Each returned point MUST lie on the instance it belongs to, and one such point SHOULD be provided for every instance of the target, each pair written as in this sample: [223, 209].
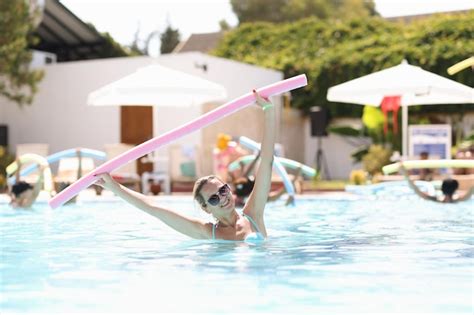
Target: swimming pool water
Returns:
[323, 256]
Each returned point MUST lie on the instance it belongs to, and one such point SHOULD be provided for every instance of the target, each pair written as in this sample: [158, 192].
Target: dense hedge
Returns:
[332, 52]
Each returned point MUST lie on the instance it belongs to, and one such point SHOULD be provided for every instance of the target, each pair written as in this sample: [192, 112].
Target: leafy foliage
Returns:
[358, 177]
[346, 131]
[377, 157]
[5, 160]
[169, 39]
[334, 51]
[278, 11]
[110, 48]
[373, 121]
[19, 82]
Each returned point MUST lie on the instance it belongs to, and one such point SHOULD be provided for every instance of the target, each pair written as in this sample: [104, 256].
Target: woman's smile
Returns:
[226, 203]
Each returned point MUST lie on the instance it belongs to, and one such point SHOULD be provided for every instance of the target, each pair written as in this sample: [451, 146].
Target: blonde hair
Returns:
[198, 186]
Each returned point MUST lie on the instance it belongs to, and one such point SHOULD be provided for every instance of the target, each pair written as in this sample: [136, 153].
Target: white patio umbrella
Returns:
[156, 85]
[414, 85]
[159, 86]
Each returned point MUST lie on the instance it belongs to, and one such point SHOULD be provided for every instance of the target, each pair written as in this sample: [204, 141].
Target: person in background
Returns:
[448, 187]
[23, 194]
[424, 173]
[215, 197]
[243, 184]
[226, 151]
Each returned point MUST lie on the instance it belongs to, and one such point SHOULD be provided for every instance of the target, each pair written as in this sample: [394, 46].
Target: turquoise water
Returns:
[323, 256]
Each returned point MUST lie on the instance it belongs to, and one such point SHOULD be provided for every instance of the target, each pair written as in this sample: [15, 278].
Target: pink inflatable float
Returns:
[170, 136]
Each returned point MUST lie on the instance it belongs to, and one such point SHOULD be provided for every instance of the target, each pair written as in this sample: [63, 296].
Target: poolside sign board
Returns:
[433, 139]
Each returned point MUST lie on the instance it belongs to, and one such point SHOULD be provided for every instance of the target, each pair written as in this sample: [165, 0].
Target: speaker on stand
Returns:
[3, 136]
[320, 118]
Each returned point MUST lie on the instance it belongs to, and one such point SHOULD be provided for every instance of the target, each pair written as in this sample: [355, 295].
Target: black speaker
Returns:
[319, 121]
[4, 135]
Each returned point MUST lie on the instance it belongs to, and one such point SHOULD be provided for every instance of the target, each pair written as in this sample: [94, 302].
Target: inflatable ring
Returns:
[38, 159]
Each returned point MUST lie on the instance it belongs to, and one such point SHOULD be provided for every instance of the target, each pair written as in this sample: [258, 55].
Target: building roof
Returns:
[64, 34]
[204, 42]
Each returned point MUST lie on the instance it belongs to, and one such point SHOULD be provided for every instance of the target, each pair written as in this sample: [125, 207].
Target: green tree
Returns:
[334, 51]
[299, 9]
[224, 25]
[5, 160]
[277, 11]
[110, 48]
[135, 47]
[169, 39]
[19, 83]
[259, 10]
[349, 9]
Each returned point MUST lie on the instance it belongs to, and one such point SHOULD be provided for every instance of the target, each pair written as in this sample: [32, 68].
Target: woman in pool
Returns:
[215, 197]
[23, 194]
[448, 187]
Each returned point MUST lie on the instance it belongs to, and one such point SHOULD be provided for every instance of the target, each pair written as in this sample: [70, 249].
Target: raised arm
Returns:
[189, 226]
[252, 165]
[255, 205]
[280, 192]
[79, 167]
[37, 188]
[467, 196]
[17, 173]
[414, 187]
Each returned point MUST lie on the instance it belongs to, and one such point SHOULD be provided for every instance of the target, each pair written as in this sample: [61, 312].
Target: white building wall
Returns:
[336, 151]
[59, 114]
[238, 79]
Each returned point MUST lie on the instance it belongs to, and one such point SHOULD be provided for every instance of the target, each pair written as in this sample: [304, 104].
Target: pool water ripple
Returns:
[322, 256]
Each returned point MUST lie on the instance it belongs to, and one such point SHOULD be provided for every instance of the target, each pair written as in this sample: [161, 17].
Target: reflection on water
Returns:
[322, 256]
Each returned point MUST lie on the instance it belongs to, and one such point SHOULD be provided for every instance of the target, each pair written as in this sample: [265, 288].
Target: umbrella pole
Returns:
[404, 131]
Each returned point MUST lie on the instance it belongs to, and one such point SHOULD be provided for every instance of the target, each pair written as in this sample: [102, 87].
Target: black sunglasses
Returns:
[216, 198]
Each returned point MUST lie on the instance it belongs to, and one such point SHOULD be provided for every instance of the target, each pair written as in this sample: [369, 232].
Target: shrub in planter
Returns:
[377, 157]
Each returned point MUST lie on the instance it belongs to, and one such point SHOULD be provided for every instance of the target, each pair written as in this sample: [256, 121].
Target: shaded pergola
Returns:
[62, 33]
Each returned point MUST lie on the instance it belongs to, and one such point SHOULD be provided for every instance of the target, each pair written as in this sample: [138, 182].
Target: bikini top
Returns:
[254, 237]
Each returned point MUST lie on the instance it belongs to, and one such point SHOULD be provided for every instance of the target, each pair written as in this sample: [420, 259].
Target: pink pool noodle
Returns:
[170, 136]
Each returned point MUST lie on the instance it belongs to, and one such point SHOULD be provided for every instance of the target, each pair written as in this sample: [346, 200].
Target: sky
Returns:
[122, 18]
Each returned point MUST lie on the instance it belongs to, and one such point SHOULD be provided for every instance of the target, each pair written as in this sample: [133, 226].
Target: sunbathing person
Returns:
[448, 187]
[215, 197]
